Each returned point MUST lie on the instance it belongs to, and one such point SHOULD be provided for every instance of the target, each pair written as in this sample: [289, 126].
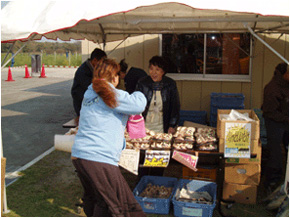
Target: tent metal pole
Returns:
[251, 72]
[9, 51]
[4, 65]
[204, 55]
[103, 36]
[267, 45]
[118, 45]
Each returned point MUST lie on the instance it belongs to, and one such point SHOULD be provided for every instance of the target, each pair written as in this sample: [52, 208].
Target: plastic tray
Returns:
[184, 209]
[155, 205]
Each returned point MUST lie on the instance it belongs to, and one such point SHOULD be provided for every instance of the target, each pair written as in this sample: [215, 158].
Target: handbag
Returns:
[136, 126]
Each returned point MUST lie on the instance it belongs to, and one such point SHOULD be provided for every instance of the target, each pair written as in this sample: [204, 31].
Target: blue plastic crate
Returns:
[183, 209]
[213, 123]
[155, 205]
[263, 132]
[227, 98]
[193, 116]
[259, 114]
[263, 141]
[258, 111]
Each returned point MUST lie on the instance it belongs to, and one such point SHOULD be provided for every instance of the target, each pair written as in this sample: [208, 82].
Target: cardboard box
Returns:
[200, 174]
[256, 159]
[245, 194]
[255, 125]
[244, 174]
[254, 146]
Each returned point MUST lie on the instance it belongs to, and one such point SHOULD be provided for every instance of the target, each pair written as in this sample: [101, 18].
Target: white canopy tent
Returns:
[116, 20]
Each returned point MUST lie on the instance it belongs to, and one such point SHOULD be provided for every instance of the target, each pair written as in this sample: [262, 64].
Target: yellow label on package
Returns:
[238, 140]
[156, 158]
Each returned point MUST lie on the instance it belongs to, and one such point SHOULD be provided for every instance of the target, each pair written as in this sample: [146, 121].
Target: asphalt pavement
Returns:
[32, 112]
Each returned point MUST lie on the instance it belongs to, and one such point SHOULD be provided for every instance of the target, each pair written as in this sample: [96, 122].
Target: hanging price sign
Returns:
[186, 159]
[129, 160]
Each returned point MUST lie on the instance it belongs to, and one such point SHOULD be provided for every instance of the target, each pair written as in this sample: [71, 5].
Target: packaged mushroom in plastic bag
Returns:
[183, 138]
[184, 145]
[206, 139]
[184, 133]
[142, 143]
[210, 146]
[161, 141]
[138, 143]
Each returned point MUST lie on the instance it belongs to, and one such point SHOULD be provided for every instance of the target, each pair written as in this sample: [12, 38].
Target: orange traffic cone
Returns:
[26, 72]
[42, 75]
[9, 79]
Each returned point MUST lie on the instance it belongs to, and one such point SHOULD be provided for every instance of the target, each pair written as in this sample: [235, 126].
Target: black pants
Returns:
[106, 192]
[275, 137]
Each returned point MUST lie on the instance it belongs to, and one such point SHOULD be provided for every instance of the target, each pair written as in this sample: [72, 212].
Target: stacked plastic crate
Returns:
[193, 116]
[263, 133]
[151, 190]
[224, 101]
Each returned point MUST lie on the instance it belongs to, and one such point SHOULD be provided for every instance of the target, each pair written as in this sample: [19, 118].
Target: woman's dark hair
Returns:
[159, 62]
[123, 66]
[106, 70]
[98, 54]
[282, 68]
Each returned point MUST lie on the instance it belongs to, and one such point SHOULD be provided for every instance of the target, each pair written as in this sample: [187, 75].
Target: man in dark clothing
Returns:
[83, 78]
[131, 77]
[276, 114]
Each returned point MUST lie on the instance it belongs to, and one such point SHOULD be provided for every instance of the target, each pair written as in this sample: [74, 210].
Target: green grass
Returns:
[48, 59]
[49, 188]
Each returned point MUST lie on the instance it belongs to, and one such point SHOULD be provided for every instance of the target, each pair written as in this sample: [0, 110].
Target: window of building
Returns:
[208, 56]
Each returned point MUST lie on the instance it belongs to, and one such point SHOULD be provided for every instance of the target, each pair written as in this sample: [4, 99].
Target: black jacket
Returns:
[170, 99]
[132, 77]
[276, 99]
[82, 79]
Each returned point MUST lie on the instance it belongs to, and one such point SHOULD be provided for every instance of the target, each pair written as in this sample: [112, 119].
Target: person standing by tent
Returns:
[163, 107]
[131, 77]
[276, 114]
[83, 78]
[100, 141]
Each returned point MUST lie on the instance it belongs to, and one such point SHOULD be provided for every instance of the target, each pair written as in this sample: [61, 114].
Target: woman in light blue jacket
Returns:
[100, 141]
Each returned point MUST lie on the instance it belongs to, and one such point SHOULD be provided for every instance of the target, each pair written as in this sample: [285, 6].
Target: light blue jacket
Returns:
[100, 135]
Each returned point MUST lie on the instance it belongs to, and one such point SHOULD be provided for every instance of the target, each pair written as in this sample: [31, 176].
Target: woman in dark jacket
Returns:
[162, 110]
[276, 114]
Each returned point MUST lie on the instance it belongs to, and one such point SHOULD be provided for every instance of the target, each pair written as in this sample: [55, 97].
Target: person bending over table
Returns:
[100, 141]
[131, 77]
